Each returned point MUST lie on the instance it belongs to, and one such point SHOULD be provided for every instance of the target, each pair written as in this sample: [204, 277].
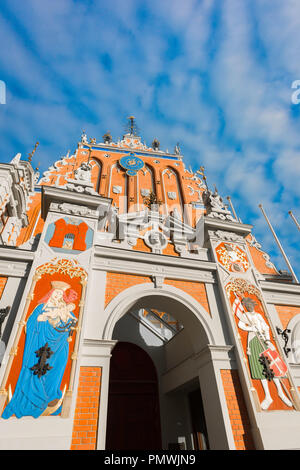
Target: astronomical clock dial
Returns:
[131, 164]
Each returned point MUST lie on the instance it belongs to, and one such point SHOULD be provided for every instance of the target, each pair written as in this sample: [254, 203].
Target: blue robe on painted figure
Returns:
[32, 393]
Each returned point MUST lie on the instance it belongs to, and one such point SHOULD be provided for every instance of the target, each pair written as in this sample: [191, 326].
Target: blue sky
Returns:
[214, 75]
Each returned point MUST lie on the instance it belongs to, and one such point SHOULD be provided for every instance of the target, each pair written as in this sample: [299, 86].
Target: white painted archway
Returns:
[208, 352]
[186, 309]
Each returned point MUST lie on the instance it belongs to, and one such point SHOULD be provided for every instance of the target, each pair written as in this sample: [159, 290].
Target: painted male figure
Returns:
[258, 341]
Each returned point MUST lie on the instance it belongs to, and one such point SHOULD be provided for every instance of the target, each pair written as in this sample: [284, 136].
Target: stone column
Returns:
[209, 362]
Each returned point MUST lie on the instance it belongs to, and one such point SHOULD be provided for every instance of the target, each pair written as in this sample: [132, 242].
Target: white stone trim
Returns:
[128, 297]
[280, 287]
[151, 264]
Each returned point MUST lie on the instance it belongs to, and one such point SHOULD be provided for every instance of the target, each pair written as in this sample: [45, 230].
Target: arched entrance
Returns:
[133, 420]
[187, 363]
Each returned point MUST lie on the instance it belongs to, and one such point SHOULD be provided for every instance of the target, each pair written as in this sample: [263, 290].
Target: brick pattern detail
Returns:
[196, 290]
[161, 176]
[85, 425]
[117, 282]
[181, 183]
[286, 313]
[2, 285]
[259, 261]
[33, 214]
[141, 246]
[238, 414]
[170, 250]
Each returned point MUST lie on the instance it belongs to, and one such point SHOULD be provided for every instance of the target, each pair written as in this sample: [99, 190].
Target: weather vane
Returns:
[131, 126]
[33, 151]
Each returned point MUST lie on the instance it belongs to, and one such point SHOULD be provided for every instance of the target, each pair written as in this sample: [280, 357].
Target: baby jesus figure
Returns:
[58, 307]
[55, 315]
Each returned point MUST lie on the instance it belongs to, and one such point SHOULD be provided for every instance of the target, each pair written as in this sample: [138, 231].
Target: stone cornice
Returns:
[15, 262]
[14, 170]
[7, 167]
[60, 195]
[97, 348]
[15, 254]
[280, 287]
[223, 354]
[151, 264]
[136, 151]
[236, 227]
[281, 294]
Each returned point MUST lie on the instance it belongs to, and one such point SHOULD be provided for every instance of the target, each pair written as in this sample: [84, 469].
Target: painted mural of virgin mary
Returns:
[48, 329]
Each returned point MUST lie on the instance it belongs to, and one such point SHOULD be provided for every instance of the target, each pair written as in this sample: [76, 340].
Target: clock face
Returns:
[132, 164]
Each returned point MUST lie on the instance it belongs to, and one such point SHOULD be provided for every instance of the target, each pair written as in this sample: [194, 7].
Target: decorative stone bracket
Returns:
[158, 280]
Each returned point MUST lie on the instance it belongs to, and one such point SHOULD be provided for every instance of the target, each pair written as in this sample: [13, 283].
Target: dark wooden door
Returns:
[200, 437]
[133, 421]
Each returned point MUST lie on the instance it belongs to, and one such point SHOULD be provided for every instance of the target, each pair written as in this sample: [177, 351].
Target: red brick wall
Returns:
[182, 184]
[286, 313]
[85, 425]
[2, 285]
[117, 282]
[33, 216]
[196, 290]
[259, 261]
[141, 246]
[238, 414]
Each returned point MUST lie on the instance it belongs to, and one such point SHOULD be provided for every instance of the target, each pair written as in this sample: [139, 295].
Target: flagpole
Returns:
[279, 245]
[294, 219]
[232, 208]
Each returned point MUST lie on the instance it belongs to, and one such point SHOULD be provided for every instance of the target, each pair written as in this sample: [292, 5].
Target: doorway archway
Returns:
[133, 420]
[183, 362]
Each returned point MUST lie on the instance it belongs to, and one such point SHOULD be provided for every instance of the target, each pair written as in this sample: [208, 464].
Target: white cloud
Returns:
[221, 88]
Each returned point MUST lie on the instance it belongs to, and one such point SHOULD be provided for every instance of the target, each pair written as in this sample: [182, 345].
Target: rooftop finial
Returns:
[155, 144]
[33, 151]
[107, 138]
[201, 173]
[84, 137]
[177, 149]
